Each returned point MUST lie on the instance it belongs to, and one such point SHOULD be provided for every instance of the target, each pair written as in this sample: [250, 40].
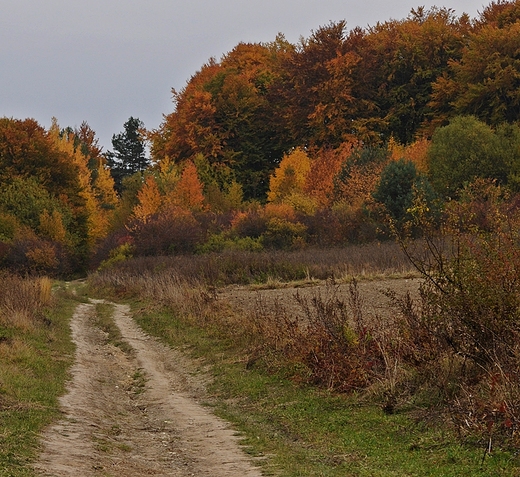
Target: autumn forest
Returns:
[349, 136]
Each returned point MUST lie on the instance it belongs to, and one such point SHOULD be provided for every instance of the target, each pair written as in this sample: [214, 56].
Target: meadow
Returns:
[327, 365]
[318, 383]
[35, 355]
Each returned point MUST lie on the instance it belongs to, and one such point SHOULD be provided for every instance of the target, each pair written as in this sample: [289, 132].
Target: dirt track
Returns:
[135, 414]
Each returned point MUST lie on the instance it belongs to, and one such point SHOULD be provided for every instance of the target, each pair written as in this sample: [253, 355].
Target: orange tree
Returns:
[485, 80]
[225, 115]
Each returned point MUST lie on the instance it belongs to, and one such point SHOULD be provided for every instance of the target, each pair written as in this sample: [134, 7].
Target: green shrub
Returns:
[284, 235]
[119, 254]
[465, 150]
[221, 242]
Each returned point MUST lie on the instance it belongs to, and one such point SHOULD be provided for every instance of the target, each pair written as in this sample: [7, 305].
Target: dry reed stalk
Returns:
[45, 285]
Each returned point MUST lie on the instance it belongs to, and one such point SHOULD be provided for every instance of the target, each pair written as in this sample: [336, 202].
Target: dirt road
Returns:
[135, 413]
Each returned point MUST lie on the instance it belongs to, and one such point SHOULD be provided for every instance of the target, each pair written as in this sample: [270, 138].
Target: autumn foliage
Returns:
[55, 196]
[277, 145]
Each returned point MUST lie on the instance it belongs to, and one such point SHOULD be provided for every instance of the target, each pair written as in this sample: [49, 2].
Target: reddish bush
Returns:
[252, 223]
[323, 228]
[329, 342]
[39, 257]
[173, 231]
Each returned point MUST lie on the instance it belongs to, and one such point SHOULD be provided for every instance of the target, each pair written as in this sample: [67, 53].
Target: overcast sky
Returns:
[103, 61]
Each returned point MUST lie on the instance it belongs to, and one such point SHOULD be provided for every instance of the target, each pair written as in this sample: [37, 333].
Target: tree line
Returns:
[332, 140]
[399, 79]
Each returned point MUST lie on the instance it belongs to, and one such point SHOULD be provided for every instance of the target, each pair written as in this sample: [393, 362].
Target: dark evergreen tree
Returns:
[129, 155]
[395, 189]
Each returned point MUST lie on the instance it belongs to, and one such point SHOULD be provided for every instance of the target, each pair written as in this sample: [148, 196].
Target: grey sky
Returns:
[106, 60]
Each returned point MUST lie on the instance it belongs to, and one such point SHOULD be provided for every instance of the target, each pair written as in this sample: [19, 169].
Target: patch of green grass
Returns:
[300, 431]
[139, 382]
[34, 364]
[104, 320]
[102, 445]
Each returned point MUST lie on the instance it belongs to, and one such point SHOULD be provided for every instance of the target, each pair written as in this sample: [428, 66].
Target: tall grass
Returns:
[240, 267]
[23, 300]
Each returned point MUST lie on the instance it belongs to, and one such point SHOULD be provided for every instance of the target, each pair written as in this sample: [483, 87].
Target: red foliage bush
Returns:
[171, 232]
[35, 256]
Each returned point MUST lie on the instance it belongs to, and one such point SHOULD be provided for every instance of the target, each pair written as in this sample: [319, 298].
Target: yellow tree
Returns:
[103, 187]
[51, 226]
[101, 178]
[417, 152]
[290, 176]
[234, 196]
[149, 198]
[97, 219]
[64, 142]
[167, 178]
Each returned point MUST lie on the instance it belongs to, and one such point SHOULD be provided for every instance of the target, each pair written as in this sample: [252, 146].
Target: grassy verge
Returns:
[302, 431]
[35, 355]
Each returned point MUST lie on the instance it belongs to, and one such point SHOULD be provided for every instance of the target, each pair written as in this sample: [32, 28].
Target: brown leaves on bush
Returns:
[464, 342]
[328, 343]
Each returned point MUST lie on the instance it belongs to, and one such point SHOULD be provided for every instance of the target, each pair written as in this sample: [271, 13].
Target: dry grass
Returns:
[275, 267]
[23, 300]
[326, 340]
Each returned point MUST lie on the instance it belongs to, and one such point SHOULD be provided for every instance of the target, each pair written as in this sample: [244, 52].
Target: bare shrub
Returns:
[251, 223]
[464, 341]
[276, 333]
[173, 231]
[324, 228]
[329, 342]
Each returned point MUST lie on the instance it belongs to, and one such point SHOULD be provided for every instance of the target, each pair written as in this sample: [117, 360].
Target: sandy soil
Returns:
[136, 414]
